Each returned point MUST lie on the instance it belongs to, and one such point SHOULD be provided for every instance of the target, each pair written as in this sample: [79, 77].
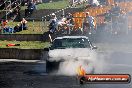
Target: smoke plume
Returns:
[73, 58]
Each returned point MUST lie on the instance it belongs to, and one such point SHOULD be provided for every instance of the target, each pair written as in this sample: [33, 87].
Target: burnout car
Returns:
[68, 48]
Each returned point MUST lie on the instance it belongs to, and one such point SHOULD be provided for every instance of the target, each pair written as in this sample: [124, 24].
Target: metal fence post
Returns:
[82, 29]
[6, 10]
[45, 23]
[42, 24]
[69, 29]
[22, 26]
[33, 25]
[2, 29]
[63, 12]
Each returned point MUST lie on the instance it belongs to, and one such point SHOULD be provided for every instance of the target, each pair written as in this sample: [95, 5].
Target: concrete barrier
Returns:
[24, 54]
[22, 37]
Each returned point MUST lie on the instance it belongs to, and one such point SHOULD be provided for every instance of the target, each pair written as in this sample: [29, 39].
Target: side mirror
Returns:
[94, 47]
[46, 49]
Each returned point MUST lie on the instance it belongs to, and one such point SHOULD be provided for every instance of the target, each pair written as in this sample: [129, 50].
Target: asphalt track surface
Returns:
[23, 74]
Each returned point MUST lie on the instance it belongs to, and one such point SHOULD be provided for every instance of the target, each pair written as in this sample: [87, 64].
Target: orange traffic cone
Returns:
[12, 45]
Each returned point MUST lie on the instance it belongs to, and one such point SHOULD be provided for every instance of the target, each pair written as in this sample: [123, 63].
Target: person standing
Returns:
[52, 25]
[30, 8]
[90, 23]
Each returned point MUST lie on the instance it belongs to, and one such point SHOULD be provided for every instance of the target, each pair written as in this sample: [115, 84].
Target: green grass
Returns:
[52, 5]
[25, 44]
[36, 27]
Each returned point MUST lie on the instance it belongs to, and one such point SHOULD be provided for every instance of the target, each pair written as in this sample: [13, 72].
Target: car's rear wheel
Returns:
[52, 66]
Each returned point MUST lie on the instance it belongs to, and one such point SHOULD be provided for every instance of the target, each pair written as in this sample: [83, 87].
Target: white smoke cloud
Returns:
[75, 57]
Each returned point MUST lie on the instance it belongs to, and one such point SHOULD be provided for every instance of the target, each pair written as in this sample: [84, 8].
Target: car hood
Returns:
[71, 53]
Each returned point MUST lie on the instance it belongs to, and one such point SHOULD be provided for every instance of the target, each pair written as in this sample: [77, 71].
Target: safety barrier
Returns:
[23, 54]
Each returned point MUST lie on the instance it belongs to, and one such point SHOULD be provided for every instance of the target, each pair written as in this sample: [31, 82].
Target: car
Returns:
[67, 48]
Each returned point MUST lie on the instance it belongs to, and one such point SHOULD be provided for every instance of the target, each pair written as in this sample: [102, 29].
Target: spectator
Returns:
[8, 30]
[62, 24]
[70, 19]
[5, 29]
[30, 8]
[17, 28]
[62, 21]
[89, 23]
[115, 10]
[53, 23]
[23, 25]
[4, 24]
[70, 22]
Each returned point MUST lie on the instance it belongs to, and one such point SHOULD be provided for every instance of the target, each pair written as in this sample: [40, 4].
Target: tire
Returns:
[52, 66]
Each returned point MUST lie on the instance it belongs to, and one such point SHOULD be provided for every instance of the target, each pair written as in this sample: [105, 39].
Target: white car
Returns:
[70, 49]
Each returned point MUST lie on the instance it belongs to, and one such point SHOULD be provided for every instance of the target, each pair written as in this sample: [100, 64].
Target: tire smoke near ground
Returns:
[73, 58]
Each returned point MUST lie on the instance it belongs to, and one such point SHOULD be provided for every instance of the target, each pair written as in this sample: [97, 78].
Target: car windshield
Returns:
[71, 43]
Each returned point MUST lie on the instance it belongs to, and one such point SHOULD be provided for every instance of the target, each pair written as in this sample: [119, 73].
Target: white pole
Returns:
[6, 9]
[42, 22]
[33, 24]
[63, 12]
[69, 29]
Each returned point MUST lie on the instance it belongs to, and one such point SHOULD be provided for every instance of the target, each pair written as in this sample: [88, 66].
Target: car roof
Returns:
[72, 37]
